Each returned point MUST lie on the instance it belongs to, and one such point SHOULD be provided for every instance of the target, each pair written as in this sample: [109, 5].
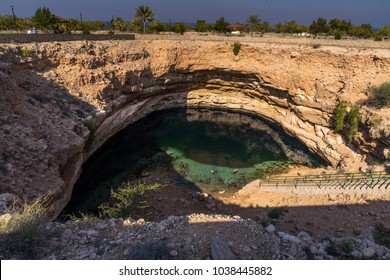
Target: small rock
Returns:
[270, 228]
[368, 243]
[290, 238]
[67, 234]
[313, 249]
[380, 250]
[173, 253]
[246, 249]
[368, 252]
[101, 226]
[356, 254]
[357, 231]
[303, 235]
[91, 232]
[220, 250]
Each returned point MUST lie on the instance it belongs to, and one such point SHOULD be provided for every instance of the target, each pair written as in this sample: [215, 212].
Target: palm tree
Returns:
[144, 13]
[254, 22]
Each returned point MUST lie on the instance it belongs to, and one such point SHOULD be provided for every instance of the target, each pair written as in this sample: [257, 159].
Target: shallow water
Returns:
[207, 149]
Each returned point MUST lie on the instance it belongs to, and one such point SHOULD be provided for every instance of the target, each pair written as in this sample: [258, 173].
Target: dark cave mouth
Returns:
[202, 149]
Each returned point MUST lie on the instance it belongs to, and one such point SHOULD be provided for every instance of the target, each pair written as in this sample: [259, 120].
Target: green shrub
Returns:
[338, 35]
[127, 199]
[23, 231]
[354, 119]
[25, 52]
[236, 48]
[376, 122]
[378, 38]
[316, 46]
[346, 245]
[275, 213]
[381, 93]
[340, 113]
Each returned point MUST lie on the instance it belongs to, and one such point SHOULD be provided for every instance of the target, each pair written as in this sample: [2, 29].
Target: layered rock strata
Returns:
[61, 101]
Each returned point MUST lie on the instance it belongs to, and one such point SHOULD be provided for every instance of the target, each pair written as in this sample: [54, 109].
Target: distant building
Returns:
[60, 24]
[236, 28]
[58, 19]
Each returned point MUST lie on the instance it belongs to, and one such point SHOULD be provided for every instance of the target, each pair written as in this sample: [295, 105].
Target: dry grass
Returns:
[22, 230]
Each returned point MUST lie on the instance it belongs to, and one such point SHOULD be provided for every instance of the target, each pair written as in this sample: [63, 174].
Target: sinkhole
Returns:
[198, 149]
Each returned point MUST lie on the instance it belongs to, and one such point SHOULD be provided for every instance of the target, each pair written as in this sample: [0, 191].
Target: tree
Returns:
[144, 14]
[385, 30]
[201, 26]
[280, 28]
[43, 17]
[294, 27]
[254, 23]
[180, 28]
[156, 27]
[118, 24]
[6, 22]
[266, 27]
[363, 30]
[319, 26]
[221, 25]
[136, 25]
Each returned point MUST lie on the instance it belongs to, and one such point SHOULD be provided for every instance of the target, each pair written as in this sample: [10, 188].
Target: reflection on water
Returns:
[210, 149]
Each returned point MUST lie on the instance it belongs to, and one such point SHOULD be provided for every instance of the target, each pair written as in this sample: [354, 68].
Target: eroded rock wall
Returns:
[56, 97]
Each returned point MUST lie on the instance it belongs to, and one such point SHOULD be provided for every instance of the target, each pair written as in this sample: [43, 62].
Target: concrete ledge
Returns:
[31, 38]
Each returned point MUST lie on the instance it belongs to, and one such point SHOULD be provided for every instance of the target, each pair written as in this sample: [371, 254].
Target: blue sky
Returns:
[376, 12]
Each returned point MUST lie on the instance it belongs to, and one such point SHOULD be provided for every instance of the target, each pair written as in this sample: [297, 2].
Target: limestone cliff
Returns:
[61, 101]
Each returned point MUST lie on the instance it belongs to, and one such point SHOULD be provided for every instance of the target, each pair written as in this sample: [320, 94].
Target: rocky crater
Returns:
[61, 101]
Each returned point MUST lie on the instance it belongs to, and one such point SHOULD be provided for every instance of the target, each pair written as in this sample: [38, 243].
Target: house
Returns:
[60, 24]
[236, 28]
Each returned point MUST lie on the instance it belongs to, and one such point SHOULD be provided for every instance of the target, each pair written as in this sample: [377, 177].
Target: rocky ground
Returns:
[196, 236]
[61, 101]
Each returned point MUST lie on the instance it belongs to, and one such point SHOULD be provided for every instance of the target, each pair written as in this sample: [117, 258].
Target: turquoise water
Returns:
[208, 150]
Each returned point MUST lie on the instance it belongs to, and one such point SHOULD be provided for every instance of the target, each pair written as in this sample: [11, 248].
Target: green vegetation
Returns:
[118, 24]
[338, 35]
[292, 27]
[347, 246]
[91, 137]
[275, 213]
[316, 46]
[43, 18]
[382, 93]
[340, 114]
[201, 26]
[25, 52]
[144, 14]
[180, 28]
[376, 122]
[338, 28]
[83, 217]
[354, 119]
[127, 199]
[236, 48]
[22, 232]
[319, 26]
[254, 23]
[221, 26]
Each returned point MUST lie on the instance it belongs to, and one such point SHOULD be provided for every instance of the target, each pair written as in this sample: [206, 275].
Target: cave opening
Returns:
[195, 149]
